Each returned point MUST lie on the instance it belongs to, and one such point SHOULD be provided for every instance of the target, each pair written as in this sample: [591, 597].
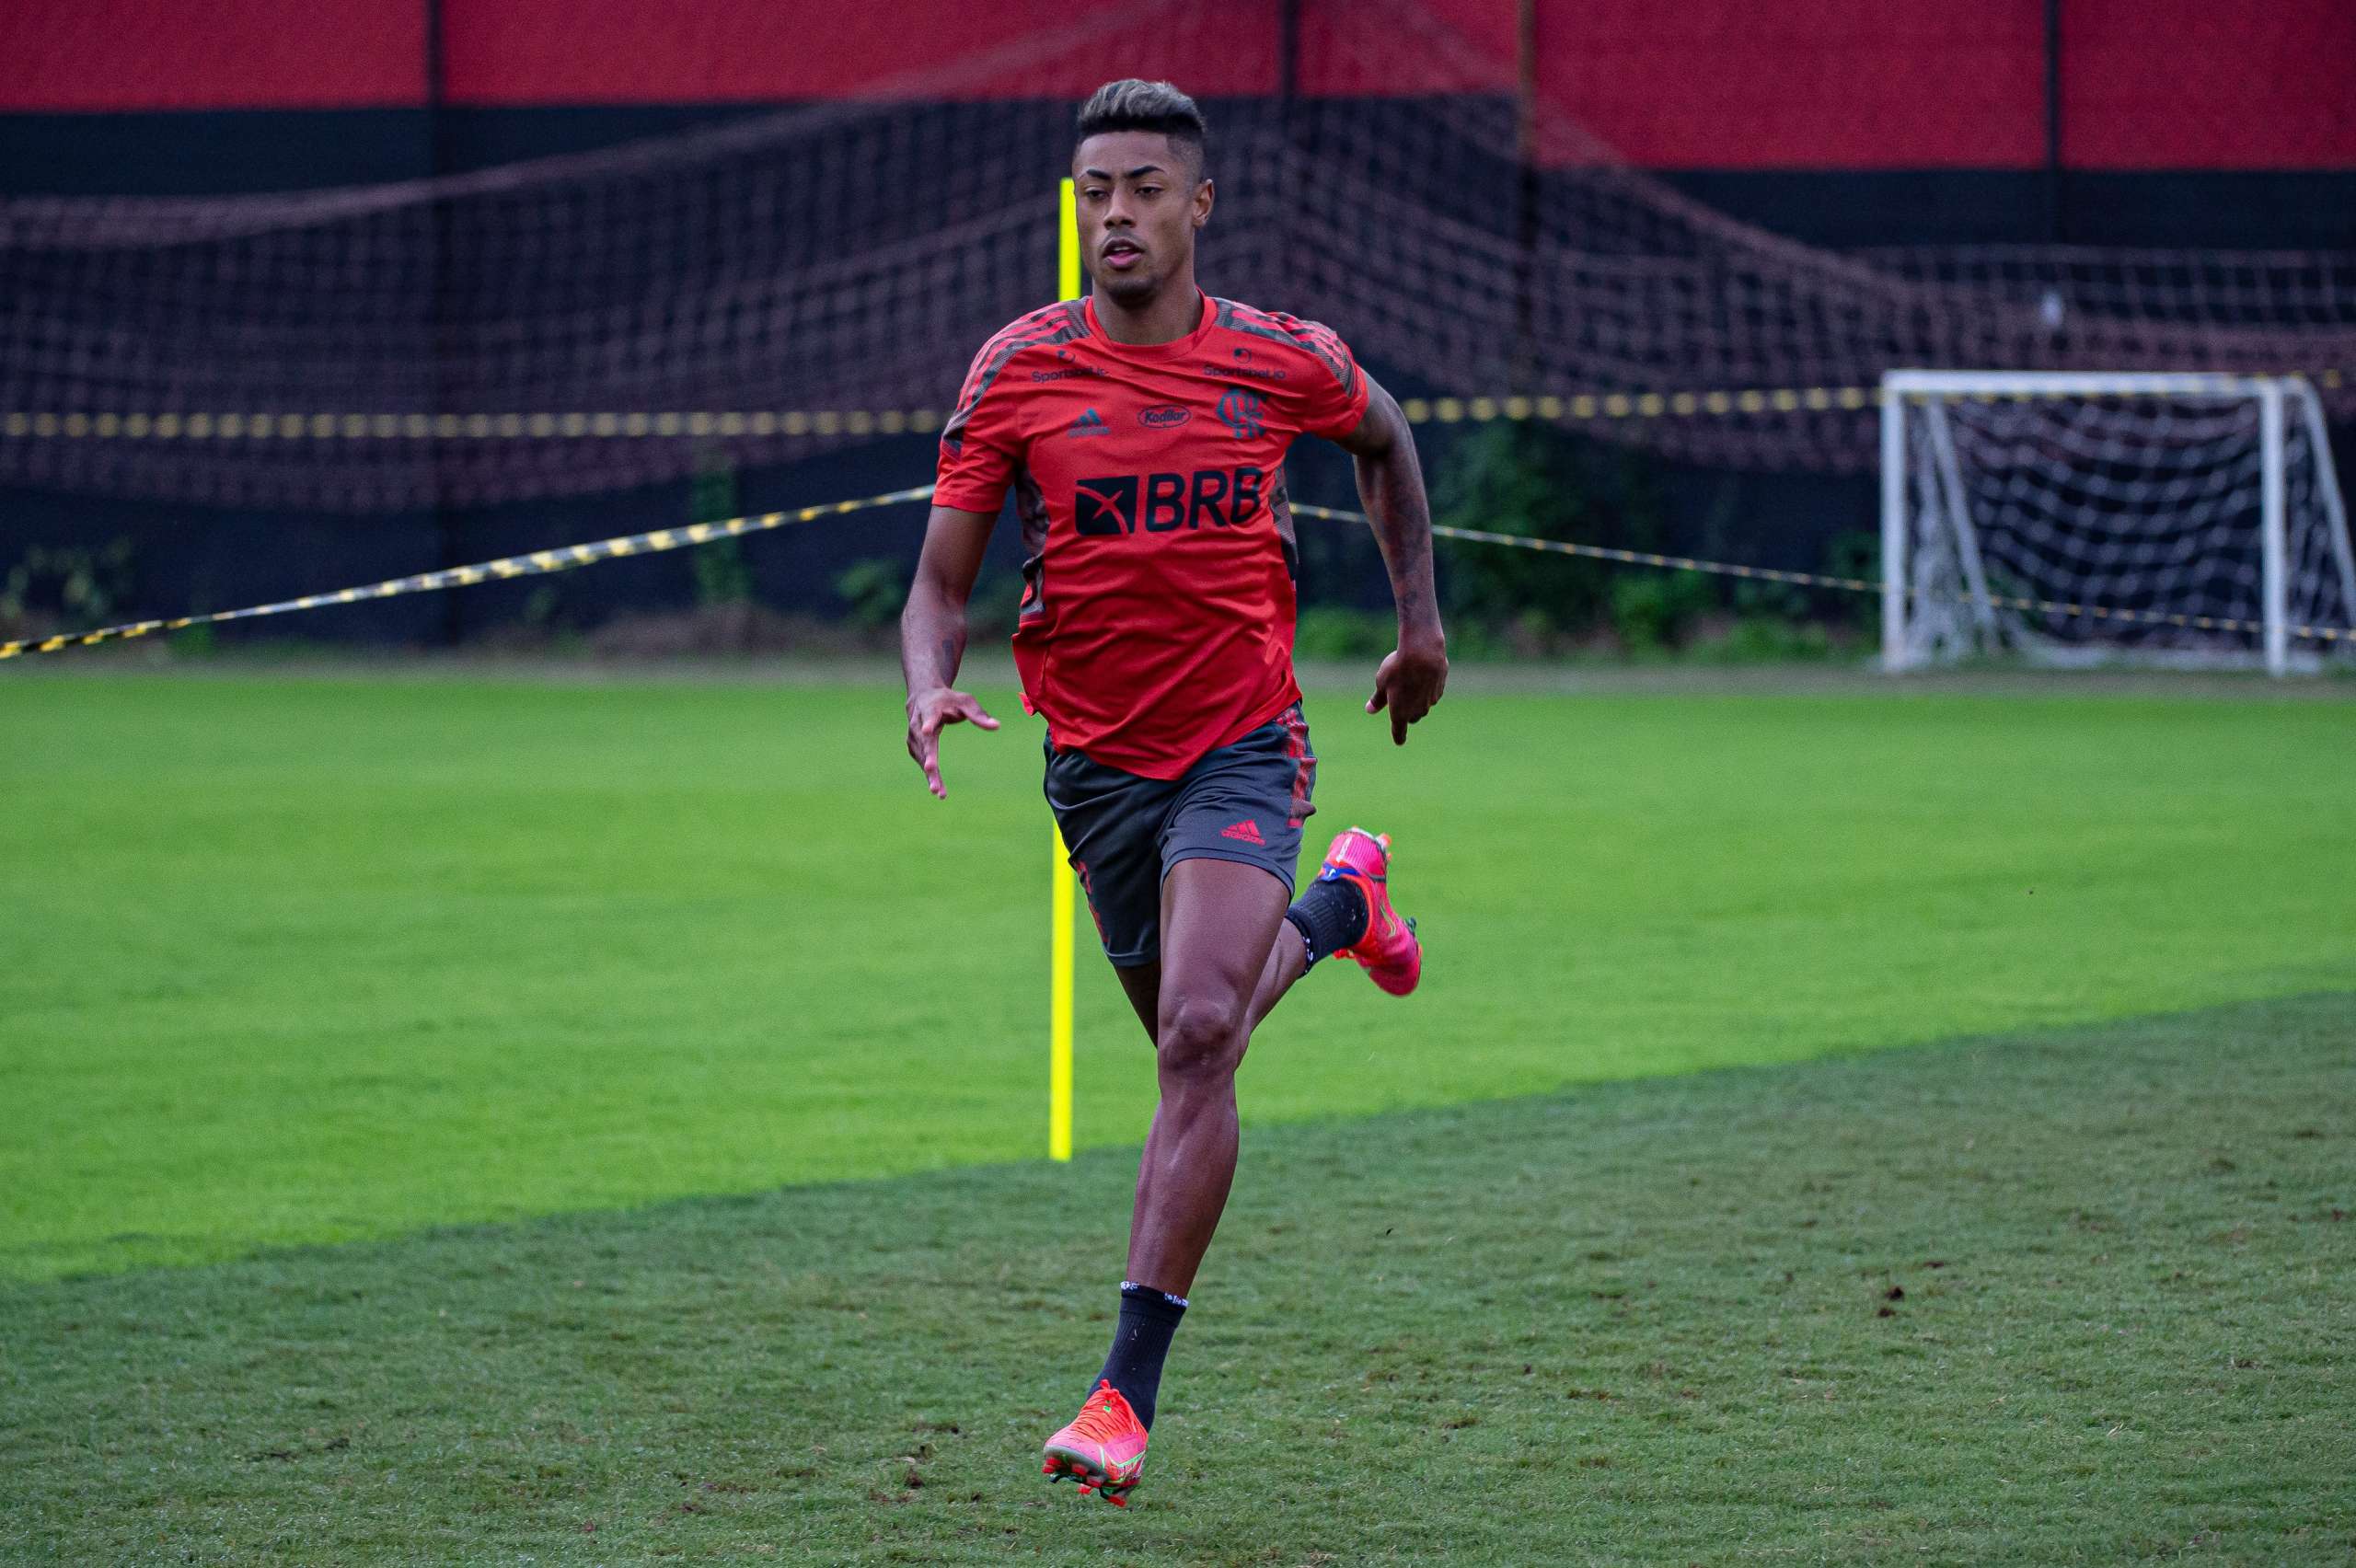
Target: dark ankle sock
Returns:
[1140, 1340]
[1330, 916]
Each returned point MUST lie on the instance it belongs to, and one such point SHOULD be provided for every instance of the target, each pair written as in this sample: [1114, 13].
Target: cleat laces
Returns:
[1105, 1417]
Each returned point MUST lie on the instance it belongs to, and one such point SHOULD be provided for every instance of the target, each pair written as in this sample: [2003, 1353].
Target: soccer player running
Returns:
[1143, 433]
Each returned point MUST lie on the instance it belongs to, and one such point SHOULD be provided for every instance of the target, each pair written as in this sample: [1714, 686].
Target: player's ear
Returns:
[1203, 194]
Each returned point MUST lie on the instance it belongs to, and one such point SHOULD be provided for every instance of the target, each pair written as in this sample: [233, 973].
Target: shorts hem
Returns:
[1132, 961]
[1204, 852]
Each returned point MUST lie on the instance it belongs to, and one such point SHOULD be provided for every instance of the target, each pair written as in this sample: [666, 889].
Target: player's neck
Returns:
[1173, 312]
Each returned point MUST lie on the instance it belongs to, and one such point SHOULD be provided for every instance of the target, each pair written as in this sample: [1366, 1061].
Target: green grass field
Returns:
[308, 959]
[591, 969]
[2083, 1298]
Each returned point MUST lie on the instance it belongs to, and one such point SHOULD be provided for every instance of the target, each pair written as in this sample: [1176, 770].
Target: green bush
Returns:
[1651, 610]
[872, 591]
[1333, 631]
[723, 576]
[1473, 642]
[993, 608]
[1856, 553]
[1767, 640]
[1512, 477]
[1541, 481]
[81, 583]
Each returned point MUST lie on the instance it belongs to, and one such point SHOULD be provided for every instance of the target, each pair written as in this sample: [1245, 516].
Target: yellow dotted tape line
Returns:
[655, 541]
[1846, 584]
[536, 563]
[670, 424]
[572, 426]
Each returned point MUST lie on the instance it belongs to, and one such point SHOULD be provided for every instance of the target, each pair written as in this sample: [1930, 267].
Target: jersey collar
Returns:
[1177, 348]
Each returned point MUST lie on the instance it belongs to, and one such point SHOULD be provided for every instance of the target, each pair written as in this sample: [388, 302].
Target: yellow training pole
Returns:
[1060, 1001]
[1059, 877]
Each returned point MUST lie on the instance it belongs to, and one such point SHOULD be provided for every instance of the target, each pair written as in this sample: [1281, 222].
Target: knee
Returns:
[1199, 1037]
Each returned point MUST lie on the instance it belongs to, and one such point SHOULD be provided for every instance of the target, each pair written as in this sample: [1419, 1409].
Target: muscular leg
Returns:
[1222, 952]
[1287, 962]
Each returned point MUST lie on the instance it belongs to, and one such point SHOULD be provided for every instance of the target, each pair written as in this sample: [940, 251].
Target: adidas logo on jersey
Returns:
[1247, 830]
[1088, 423]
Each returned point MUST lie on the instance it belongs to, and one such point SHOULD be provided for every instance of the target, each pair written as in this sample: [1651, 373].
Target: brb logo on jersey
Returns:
[1240, 409]
[1224, 498]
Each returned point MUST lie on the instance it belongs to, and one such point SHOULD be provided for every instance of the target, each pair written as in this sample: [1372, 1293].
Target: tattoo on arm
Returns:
[933, 637]
[932, 642]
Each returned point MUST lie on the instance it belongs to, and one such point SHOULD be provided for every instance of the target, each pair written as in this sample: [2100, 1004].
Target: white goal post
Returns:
[2088, 517]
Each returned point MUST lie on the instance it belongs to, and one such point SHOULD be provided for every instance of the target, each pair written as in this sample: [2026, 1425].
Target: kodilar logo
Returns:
[1164, 416]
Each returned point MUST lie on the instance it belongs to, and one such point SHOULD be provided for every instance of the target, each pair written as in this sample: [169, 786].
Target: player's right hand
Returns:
[928, 712]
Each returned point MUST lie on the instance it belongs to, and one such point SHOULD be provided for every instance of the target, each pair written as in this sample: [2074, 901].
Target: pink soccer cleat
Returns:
[1389, 952]
[1103, 1448]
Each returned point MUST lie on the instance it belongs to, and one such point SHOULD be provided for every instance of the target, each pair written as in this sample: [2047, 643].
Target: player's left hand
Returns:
[1408, 683]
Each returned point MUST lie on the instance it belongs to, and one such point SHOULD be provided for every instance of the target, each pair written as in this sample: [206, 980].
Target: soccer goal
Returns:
[2085, 518]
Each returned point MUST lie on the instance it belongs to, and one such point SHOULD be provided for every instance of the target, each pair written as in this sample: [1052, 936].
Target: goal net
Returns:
[2088, 517]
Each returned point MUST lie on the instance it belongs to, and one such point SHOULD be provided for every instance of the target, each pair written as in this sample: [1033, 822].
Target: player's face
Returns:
[1139, 206]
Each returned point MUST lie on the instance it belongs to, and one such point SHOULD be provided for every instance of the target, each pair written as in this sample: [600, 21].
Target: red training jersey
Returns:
[1157, 617]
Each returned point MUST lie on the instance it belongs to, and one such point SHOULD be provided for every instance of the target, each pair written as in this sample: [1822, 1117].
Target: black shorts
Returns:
[1246, 802]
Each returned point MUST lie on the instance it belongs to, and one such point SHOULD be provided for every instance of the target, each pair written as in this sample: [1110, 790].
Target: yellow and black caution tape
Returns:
[1845, 584]
[51, 424]
[570, 425]
[540, 562]
[536, 563]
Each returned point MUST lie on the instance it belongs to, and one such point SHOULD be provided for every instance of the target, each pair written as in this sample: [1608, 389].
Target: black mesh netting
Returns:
[813, 277]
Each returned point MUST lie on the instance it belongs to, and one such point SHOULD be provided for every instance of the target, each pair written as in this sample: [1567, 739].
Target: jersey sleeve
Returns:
[980, 445]
[1334, 397]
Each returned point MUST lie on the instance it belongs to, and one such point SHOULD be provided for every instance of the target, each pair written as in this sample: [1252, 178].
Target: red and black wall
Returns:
[1838, 122]
[1847, 122]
